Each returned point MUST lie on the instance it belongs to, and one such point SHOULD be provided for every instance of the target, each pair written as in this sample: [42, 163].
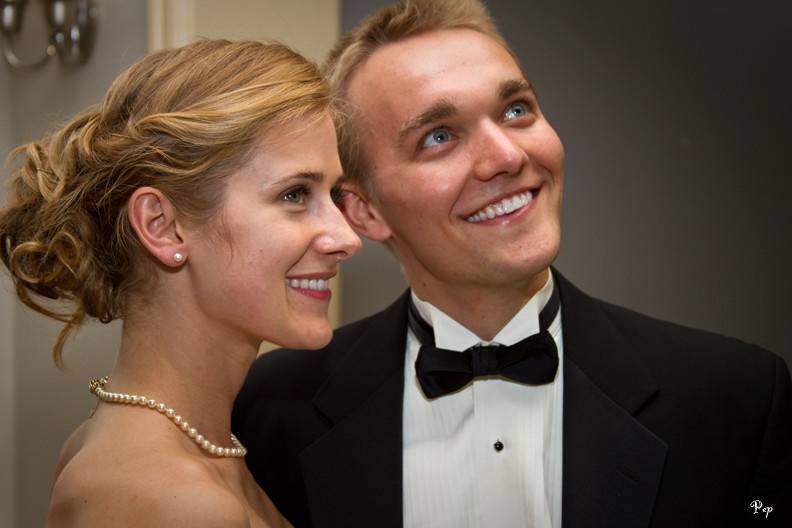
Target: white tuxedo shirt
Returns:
[453, 474]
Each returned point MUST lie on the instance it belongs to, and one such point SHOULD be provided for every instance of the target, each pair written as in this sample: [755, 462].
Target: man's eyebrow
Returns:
[442, 109]
[512, 87]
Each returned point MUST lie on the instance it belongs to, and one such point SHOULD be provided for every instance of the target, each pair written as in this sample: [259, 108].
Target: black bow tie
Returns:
[533, 361]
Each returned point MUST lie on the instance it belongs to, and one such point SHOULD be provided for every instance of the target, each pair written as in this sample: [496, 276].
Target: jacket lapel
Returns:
[353, 473]
[612, 464]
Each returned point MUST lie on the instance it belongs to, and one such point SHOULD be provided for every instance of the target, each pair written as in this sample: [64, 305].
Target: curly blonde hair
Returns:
[180, 120]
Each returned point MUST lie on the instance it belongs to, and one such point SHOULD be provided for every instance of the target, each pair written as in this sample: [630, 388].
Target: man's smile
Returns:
[504, 206]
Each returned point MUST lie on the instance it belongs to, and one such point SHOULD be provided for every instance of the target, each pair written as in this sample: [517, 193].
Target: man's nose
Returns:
[495, 152]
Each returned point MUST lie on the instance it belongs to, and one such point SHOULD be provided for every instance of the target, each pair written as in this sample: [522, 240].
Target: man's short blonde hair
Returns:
[394, 23]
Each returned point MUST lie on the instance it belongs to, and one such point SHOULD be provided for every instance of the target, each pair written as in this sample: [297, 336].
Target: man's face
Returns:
[467, 172]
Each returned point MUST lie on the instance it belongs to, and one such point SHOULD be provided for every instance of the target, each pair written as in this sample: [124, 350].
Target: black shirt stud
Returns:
[498, 445]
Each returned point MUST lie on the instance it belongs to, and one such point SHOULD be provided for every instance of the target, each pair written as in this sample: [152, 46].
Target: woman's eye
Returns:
[296, 195]
[437, 136]
[515, 110]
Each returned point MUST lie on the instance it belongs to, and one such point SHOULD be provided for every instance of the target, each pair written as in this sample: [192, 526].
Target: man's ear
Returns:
[153, 218]
[363, 215]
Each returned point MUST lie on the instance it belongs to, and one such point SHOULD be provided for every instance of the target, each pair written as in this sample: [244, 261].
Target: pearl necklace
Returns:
[97, 388]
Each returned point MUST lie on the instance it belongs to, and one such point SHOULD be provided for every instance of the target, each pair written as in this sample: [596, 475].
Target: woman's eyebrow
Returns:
[301, 175]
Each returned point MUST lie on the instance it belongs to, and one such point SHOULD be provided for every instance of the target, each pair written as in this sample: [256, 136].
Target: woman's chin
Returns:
[315, 337]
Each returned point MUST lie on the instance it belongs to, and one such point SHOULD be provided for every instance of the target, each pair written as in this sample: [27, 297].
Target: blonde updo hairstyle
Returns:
[179, 120]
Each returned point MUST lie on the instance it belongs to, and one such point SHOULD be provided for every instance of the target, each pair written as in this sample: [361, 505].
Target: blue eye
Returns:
[436, 137]
[516, 110]
[297, 195]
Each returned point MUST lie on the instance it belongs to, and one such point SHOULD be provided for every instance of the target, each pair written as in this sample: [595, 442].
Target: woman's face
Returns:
[261, 270]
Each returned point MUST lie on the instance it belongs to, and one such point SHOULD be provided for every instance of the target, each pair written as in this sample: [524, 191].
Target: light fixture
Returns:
[72, 30]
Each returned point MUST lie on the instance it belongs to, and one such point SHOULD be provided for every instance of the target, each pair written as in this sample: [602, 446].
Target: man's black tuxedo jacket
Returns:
[663, 425]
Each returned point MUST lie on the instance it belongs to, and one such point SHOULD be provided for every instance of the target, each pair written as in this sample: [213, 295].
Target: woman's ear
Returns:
[153, 218]
[362, 214]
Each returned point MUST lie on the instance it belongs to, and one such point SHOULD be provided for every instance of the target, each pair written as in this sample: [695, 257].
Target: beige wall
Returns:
[40, 405]
[311, 26]
[6, 337]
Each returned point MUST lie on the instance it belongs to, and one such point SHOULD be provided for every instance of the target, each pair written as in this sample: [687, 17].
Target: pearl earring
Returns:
[178, 257]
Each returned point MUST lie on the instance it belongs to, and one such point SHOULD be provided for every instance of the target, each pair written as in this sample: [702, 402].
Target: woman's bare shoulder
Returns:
[140, 489]
[72, 446]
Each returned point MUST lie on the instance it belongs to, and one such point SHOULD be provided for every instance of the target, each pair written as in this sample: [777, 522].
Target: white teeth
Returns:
[309, 284]
[505, 206]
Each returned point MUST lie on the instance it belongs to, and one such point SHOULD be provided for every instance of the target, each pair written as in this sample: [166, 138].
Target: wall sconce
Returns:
[72, 30]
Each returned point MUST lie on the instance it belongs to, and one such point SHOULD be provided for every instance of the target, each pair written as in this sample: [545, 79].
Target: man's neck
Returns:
[482, 310]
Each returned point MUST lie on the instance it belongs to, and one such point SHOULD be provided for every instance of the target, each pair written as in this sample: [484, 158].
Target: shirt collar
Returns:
[451, 335]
